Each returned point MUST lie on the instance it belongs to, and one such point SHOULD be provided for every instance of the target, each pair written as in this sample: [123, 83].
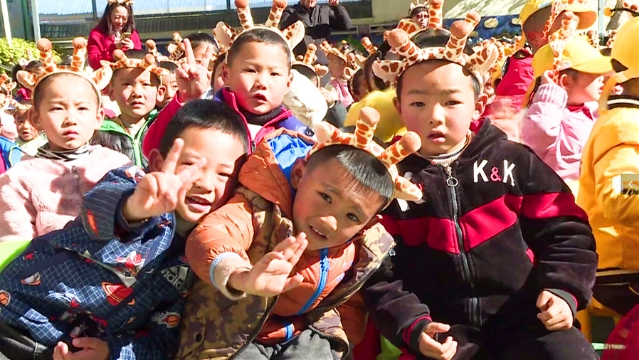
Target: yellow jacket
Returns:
[612, 150]
[390, 124]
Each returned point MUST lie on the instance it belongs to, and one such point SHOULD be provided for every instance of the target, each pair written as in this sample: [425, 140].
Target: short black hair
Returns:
[354, 81]
[258, 35]
[205, 114]
[438, 38]
[200, 38]
[367, 173]
[169, 65]
[305, 70]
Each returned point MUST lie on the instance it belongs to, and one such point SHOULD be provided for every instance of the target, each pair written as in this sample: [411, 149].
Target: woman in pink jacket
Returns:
[563, 110]
[116, 30]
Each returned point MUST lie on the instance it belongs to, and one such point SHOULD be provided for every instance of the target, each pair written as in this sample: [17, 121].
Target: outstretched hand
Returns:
[159, 192]
[271, 276]
[193, 78]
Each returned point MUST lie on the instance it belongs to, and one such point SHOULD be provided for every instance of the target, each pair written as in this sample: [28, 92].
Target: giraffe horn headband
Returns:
[6, 84]
[557, 7]
[149, 63]
[121, 2]
[557, 42]
[362, 138]
[98, 79]
[435, 18]
[478, 63]
[293, 35]
[309, 60]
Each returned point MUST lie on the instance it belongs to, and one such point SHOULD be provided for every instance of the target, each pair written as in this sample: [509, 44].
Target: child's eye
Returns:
[452, 103]
[275, 74]
[417, 104]
[225, 175]
[83, 108]
[249, 70]
[147, 84]
[326, 198]
[353, 217]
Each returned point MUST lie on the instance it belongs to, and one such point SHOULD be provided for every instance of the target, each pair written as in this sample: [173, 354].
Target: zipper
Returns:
[257, 329]
[324, 267]
[467, 273]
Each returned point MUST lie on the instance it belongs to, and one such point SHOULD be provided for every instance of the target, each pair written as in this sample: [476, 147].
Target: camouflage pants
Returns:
[307, 346]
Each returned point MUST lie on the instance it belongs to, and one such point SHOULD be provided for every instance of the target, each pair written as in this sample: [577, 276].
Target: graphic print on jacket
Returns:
[497, 227]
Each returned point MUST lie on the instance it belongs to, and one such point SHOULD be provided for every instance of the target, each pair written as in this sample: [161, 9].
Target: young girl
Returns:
[563, 112]
[35, 67]
[43, 193]
[338, 66]
[116, 30]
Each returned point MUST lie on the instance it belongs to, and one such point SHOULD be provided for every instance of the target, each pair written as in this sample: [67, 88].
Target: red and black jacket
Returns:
[494, 230]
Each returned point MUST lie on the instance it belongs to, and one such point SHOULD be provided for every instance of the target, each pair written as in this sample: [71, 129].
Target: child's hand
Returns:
[546, 78]
[555, 312]
[271, 275]
[92, 349]
[159, 192]
[431, 348]
[193, 78]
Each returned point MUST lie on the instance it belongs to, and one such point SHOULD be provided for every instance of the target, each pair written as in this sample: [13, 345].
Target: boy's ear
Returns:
[161, 92]
[225, 73]
[35, 120]
[398, 105]
[290, 79]
[99, 118]
[155, 160]
[111, 91]
[297, 173]
[480, 105]
[564, 81]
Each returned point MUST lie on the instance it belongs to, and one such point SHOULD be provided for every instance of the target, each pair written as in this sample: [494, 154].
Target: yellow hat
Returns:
[626, 52]
[578, 55]
[587, 15]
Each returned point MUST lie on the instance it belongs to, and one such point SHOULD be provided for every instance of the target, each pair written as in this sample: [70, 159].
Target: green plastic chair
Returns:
[10, 250]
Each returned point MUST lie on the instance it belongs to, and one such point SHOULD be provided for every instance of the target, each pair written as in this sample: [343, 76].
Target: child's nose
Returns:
[330, 222]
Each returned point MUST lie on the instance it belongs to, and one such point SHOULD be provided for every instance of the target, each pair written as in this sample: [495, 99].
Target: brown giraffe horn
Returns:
[365, 126]
[399, 40]
[79, 54]
[46, 55]
[244, 13]
[407, 145]
[276, 13]
[459, 32]
[120, 57]
[368, 45]
[309, 57]
[436, 14]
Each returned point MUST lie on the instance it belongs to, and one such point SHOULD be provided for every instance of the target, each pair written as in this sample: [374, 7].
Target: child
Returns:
[137, 87]
[42, 193]
[10, 153]
[607, 190]
[34, 67]
[128, 244]
[498, 258]
[562, 113]
[169, 82]
[257, 73]
[338, 66]
[29, 138]
[419, 13]
[289, 250]
[7, 122]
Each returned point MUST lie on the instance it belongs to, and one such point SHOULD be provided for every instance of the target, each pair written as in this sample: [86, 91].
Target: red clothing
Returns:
[101, 46]
[516, 80]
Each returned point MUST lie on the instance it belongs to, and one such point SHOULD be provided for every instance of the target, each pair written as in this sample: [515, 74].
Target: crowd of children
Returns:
[423, 198]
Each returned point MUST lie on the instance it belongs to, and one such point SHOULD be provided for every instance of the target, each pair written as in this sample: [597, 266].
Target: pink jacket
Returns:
[101, 46]
[42, 195]
[557, 132]
[343, 93]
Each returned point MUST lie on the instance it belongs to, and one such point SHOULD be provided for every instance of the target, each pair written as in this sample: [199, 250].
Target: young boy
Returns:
[29, 138]
[169, 82]
[609, 171]
[281, 261]
[257, 73]
[498, 258]
[128, 247]
[136, 86]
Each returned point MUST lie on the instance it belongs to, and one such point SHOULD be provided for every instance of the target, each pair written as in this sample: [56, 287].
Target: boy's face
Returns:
[336, 66]
[421, 18]
[217, 179]
[170, 85]
[67, 111]
[136, 91]
[329, 214]
[259, 76]
[26, 131]
[438, 103]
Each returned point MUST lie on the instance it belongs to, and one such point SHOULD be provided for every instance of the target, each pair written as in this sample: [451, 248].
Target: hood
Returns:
[268, 170]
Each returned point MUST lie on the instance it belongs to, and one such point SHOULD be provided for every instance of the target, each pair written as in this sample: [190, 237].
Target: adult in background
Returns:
[318, 21]
[116, 30]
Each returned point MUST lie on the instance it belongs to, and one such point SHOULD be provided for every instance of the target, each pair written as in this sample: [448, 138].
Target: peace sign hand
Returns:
[271, 275]
[160, 192]
[192, 78]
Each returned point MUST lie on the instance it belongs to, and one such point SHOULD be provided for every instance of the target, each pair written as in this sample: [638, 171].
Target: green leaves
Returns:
[9, 56]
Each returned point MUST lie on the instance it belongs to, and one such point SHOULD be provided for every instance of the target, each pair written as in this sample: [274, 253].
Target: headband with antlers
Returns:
[309, 59]
[151, 48]
[353, 61]
[362, 138]
[478, 63]
[128, 3]
[98, 79]
[6, 84]
[557, 43]
[435, 18]
[149, 63]
[557, 7]
[225, 34]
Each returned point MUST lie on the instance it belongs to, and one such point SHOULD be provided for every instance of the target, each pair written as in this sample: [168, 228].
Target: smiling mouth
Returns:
[317, 232]
[198, 201]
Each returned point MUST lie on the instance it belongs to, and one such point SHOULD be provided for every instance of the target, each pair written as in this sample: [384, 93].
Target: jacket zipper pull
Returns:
[451, 181]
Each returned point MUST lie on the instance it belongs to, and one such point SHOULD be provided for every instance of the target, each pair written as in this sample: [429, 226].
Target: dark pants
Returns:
[307, 346]
[17, 345]
[528, 342]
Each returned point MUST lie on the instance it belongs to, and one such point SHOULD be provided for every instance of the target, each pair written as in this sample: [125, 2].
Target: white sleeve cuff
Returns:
[221, 269]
